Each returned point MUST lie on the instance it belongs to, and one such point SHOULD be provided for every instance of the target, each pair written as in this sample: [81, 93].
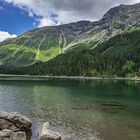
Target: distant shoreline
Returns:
[43, 78]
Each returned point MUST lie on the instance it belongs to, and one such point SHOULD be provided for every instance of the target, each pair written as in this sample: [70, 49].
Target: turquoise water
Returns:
[78, 110]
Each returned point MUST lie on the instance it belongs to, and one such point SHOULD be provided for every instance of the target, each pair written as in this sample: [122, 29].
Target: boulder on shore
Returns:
[14, 126]
[47, 134]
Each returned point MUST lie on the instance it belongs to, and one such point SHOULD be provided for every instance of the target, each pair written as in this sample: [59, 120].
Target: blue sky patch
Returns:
[15, 20]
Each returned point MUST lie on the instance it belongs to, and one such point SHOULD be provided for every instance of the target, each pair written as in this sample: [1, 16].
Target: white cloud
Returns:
[5, 35]
[134, 1]
[67, 10]
[46, 22]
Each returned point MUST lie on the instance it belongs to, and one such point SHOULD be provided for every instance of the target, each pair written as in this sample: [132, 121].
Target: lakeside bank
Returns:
[44, 78]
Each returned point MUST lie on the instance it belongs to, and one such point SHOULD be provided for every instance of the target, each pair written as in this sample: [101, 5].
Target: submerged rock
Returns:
[112, 107]
[14, 126]
[47, 134]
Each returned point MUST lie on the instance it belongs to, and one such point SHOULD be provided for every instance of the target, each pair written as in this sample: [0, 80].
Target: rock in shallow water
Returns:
[14, 120]
[14, 126]
[47, 134]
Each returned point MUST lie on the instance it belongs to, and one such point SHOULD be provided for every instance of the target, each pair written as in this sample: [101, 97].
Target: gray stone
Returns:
[47, 134]
[18, 136]
[14, 126]
[5, 134]
[14, 121]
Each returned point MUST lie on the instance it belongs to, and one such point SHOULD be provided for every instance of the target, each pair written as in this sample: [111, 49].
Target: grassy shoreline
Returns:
[43, 77]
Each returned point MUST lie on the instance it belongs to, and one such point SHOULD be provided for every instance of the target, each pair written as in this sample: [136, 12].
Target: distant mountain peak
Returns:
[123, 14]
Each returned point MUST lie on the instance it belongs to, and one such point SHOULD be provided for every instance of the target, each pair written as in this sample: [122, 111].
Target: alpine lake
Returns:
[77, 109]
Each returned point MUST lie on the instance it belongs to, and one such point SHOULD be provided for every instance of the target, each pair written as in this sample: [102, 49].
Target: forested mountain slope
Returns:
[119, 56]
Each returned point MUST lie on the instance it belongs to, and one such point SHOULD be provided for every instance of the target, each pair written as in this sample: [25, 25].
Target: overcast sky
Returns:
[28, 14]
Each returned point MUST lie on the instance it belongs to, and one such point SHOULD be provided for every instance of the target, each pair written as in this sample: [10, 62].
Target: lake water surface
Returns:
[78, 110]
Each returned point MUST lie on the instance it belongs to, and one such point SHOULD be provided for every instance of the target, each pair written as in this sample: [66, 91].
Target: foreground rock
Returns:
[47, 134]
[14, 126]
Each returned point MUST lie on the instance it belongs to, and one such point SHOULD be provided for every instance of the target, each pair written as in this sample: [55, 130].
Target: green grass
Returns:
[24, 55]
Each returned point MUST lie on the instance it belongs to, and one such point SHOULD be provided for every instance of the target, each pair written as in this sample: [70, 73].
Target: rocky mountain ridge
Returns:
[46, 43]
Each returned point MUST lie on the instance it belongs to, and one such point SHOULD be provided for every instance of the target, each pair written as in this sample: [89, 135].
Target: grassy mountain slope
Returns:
[46, 43]
[41, 44]
[119, 56]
